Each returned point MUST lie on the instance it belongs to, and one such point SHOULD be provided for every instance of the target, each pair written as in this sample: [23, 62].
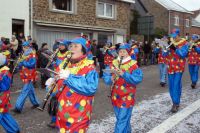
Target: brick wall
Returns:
[182, 21]
[195, 30]
[159, 12]
[85, 15]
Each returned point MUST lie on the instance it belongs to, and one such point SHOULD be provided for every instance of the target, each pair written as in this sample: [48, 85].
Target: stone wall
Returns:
[85, 14]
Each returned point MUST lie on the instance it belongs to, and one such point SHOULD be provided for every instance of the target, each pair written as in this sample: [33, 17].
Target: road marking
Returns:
[175, 119]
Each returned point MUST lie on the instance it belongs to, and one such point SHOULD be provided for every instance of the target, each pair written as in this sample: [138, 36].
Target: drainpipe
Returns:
[31, 19]
[169, 23]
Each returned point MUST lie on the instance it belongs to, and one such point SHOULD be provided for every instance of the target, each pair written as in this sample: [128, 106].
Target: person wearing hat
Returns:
[62, 53]
[161, 63]
[193, 61]
[77, 84]
[175, 60]
[109, 53]
[134, 50]
[28, 75]
[123, 77]
[6, 120]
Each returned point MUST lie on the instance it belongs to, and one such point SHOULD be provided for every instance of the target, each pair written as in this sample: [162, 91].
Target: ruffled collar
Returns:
[125, 59]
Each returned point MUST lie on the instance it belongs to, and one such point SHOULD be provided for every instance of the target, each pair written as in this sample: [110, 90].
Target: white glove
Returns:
[49, 81]
[64, 74]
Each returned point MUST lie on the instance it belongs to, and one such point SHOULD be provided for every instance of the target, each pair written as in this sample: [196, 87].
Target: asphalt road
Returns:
[35, 121]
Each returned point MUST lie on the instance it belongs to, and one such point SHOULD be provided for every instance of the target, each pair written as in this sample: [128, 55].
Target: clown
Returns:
[193, 61]
[63, 51]
[28, 75]
[124, 77]
[162, 65]
[76, 84]
[109, 53]
[6, 120]
[134, 50]
[176, 65]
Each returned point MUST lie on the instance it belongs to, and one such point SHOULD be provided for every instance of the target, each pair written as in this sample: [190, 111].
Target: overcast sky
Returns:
[189, 4]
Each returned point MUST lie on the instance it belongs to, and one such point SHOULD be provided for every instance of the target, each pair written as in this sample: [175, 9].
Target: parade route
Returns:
[152, 108]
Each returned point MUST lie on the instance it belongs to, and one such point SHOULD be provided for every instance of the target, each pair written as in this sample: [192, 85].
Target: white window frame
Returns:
[104, 16]
[176, 20]
[62, 11]
[187, 23]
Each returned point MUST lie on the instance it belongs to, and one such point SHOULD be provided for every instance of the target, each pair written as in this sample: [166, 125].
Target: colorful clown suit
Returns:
[75, 100]
[123, 91]
[60, 57]
[109, 56]
[134, 52]
[175, 59]
[162, 66]
[28, 75]
[193, 62]
[6, 120]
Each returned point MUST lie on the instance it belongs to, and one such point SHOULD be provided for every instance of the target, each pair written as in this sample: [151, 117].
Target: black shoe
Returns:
[162, 84]
[35, 106]
[18, 131]
[52, 125]
[16, 111]
[174, 108]
[193, 86]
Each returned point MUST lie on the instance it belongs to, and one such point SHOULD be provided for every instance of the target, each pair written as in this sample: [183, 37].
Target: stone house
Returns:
[101, 20]
[168, 15]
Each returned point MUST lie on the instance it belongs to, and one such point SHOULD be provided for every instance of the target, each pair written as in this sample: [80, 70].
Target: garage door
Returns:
[50, 36]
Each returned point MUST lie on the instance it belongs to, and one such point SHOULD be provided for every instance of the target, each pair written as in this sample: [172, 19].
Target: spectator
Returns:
[100, 58]
[34, 45]
[147, 50]
[43, 61]
[94, 50]
[21, 39]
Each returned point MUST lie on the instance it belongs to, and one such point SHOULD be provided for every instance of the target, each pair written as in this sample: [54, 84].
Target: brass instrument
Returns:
[52, 57]
[20, 59]
[191, 46]
[53, 86]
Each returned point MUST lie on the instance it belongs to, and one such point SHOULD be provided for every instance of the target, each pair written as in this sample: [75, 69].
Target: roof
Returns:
[171, 5]
[196, 21]
[129, 1]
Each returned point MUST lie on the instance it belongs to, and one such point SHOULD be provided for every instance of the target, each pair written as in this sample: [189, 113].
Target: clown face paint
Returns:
[123, 52]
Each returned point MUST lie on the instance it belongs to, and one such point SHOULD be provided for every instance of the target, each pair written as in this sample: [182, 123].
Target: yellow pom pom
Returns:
[62, 102]
[62, 130]
[129, 98]
[81, 131]
[71, 120]
[83, 103]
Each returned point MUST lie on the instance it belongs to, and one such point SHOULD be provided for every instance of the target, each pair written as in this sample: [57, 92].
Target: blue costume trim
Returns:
[84, 85]
[134, 78]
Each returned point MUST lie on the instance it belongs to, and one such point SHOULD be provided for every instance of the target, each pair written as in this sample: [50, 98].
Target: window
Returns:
[176, 22]
[105, 10]
[187, 23]
[62, 5]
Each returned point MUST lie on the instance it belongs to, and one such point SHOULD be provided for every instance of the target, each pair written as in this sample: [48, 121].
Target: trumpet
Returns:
[191, 46]
[52, 57]
[20, 59]
[54, 85]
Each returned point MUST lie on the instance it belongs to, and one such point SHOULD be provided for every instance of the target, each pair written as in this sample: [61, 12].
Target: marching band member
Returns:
[123, 88]
[109, 51]
[176, 65]
[134, 50]
[61, 55]
[28, 75]
[162, 65]
[6, 120]
[77, 85]
[193, 61]
[63, 51]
